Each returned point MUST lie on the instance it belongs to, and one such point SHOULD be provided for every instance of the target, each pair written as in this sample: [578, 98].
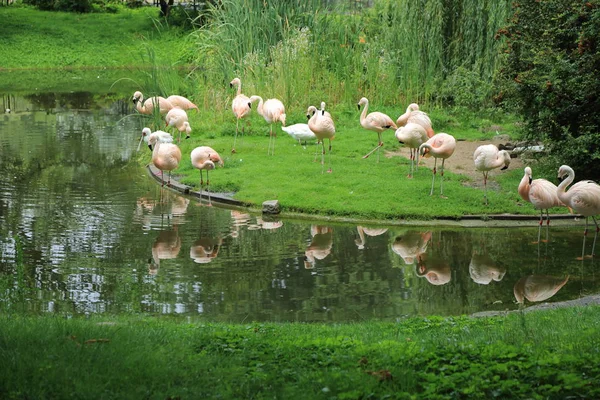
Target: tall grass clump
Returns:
[394, 52]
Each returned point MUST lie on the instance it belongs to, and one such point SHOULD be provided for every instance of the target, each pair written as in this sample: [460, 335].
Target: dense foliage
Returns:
[553, 60]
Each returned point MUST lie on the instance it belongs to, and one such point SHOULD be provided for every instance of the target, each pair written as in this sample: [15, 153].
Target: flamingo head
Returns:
[137, 96]
[506, 156]
[188, 129]
[216, 159]
[311, 111]
[235, 81]
[528, 173]
[282, 119]
[362, 102]
[146, 132]
[563, 171]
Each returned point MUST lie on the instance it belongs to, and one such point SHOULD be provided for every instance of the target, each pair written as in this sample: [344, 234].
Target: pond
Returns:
[84, 229]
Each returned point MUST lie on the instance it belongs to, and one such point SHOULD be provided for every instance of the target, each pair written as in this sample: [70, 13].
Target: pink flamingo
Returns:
[537, 287]
[375, 121]
[205, 158]
[165, 156]
[412, 135]
[272, 111]
[321, 124]
[441, 146]
[488, 157]
[177, 118]
[541, 193]
[414, 115]
[320, 245]
[181, 102]
[583, 197]
[241, 107]
[147, 107]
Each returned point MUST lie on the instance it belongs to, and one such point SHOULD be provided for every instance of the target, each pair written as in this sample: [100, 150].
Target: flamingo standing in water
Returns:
[165, 156]
[414, 115]
[375, 121]
[441, 146]
[323, 127]
[488, 157]
[205, 158]
[272, 111]
[412, 135]
[241, 107]
[177, 118]
[541, 193]
[181, 102]
[583, 197]
[147, 107]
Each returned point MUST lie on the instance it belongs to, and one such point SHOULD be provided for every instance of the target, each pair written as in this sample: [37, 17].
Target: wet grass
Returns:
[543, 354]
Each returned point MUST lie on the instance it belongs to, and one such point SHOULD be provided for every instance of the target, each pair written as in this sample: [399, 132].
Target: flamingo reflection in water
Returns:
[165, 247]
[150, 211]
[204, 250]
[320, 245]
[537, 287]
[363, 230]
[410, 245]
[484, 270]
[435, 270]
[239, 219]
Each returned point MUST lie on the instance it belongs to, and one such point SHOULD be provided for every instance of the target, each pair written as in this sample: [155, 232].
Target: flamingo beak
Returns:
[503, 168]
[249, 105]
[530, 180]
[230, 84]
[358, 106]
[150, 146]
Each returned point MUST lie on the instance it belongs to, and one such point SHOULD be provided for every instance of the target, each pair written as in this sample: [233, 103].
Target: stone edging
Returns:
[465, 220]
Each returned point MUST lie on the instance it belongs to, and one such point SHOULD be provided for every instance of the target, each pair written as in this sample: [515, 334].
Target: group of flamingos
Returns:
[413, 129]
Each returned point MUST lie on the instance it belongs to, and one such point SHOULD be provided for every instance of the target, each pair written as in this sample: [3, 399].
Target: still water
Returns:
[84, 229]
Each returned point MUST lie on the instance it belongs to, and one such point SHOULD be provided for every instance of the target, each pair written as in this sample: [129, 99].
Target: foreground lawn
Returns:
[538, 355]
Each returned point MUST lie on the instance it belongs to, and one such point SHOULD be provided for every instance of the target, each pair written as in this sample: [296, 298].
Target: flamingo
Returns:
[163, 137]
[205, 158]
[375, 121]
[241, 107]
[537, 287]
[204, 250]
[299, 132]
[147, 107]
[486, 158]
[181, 102]
[176, 117]
[414, 115]
[272, 111]
[441, 146]
[411, 245]
[323, 127]
[583, 197]
[412, 135]
[541, 193]
[436, 271]
[165, 156]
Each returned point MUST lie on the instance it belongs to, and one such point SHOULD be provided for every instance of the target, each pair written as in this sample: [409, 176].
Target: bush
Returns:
[551, 78]
[79, 6]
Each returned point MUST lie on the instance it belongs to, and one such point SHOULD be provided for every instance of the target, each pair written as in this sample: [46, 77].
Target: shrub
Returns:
[551, 78]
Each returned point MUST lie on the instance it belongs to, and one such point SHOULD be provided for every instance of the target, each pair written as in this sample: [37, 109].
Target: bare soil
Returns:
[461, 161]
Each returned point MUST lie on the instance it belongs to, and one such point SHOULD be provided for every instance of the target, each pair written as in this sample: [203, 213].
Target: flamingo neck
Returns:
[239, 88]
[562, 188]
[139, 106]
[363, 115]
[524, 188]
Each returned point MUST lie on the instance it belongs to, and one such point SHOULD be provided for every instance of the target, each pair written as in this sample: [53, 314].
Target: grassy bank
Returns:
[550, 354]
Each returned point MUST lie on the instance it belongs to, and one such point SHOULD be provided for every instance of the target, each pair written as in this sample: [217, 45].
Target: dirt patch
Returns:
[461, 161]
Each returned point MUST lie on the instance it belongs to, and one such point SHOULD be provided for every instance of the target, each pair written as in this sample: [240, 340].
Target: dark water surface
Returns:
[84, 229]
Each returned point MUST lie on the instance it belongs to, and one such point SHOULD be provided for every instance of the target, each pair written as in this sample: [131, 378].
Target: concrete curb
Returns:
[492, 220]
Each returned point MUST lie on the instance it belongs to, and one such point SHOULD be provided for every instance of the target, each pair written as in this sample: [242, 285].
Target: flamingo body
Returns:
[321, 124]
[181, 102]
[165, 156]
[375, 121]
[147, 107]
[414, 115]
[487, 158]
[272, 111]
[537, 287]
[541, 193]
[178, 118]
[441, 146]
[241, 107]
[411, 135]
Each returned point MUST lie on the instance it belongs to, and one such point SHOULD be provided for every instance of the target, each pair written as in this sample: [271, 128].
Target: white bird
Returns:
[165, 156]
[241, 107]
[583, 197]
[178, 119]
[375, 121]
[181, 102]
[488, 157]
[147, 107]
[300, 132]
[163, 137]
[412, 135]
[441, 146]
[414, 115]
[205, 158]
[272, 111]
[323, 127]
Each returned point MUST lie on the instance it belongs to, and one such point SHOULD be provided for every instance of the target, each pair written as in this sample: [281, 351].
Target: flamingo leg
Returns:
[485, 188]
[208, 188]
[379, 145]
[330, 168]
[323, 155]
[201, 183]
[595, 236]
[372, 151]
[433, 176]
[441, 178]
[236, 133]
[316, 150]
[547, 225]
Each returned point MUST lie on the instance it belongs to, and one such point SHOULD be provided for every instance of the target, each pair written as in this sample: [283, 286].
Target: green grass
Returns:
[548, 354]
[357, 187]
[43, 39]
